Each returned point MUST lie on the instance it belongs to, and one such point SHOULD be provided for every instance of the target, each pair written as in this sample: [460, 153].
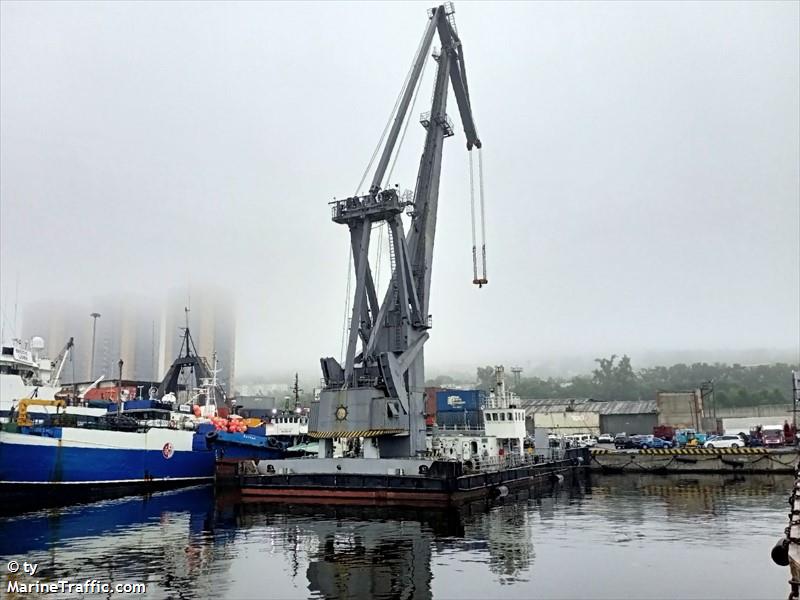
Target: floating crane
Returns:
[379, 391]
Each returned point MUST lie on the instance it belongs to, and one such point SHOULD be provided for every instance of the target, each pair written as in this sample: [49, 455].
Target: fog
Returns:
[641, 164]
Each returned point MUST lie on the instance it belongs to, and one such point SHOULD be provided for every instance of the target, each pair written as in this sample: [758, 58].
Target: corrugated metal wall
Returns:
[679, 409]
[631, 424]
[568, 422]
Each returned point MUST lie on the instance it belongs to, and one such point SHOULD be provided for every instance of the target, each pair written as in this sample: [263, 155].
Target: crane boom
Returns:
[60, 361]
[379, 392]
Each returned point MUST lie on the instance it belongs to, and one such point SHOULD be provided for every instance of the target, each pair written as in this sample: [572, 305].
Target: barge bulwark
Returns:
[370, 482]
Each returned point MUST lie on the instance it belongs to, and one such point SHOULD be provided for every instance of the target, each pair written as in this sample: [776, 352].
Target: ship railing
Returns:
[460, 428]
[511, 461]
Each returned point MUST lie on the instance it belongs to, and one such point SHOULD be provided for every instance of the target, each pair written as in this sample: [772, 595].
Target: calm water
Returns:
[616, 536]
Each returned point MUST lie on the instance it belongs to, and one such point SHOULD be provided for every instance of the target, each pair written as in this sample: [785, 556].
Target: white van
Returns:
[580, 439]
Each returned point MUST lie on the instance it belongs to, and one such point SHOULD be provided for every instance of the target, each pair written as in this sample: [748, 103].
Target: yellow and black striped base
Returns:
[353, 434]
[688, 451]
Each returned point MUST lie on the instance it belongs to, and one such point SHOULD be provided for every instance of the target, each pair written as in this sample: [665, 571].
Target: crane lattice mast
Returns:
[379, 391]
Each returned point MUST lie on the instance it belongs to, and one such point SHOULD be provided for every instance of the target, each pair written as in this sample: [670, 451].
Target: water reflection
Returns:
[193, 544]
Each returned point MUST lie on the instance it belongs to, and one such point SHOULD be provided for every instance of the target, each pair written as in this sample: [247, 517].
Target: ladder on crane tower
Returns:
[398, 330]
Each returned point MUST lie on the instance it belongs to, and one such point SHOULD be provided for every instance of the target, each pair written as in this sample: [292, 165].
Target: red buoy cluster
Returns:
[233, 425]
[229, 425]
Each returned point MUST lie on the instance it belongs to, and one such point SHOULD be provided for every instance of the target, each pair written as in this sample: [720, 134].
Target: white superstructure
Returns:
[503, 433]
[503, 419]
[25, 372]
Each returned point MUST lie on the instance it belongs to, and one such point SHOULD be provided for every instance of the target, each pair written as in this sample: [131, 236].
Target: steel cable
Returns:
[483, 214]
[472, 211]
[391, 116]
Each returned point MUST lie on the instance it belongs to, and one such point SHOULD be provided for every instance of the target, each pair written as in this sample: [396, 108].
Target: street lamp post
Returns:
[119, 388]
[95, 316]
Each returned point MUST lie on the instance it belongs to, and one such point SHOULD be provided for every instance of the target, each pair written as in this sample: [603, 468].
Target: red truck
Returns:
[665, 432]
[773, 437]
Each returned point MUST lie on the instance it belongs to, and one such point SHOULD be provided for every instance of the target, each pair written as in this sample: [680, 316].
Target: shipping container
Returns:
[464, 418]
[430, 404]
[459, 400]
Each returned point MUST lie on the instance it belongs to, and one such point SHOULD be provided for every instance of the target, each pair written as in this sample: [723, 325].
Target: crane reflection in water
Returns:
[195, 544]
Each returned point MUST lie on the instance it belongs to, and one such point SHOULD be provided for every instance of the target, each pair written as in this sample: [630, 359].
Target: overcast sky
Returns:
[641, 164]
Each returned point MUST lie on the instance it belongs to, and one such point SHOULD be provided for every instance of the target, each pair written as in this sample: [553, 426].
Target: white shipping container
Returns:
[735, 425]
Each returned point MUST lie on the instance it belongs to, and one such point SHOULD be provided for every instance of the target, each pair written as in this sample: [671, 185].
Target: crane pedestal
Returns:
[364, 413]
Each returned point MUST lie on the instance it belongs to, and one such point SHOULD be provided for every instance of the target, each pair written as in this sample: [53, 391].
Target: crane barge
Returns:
[375, 397]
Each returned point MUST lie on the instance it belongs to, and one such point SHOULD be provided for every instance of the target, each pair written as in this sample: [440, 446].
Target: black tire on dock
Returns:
[780, 553]
[211, 437]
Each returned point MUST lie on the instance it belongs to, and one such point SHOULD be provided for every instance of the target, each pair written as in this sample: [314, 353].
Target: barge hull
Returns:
[451, 488]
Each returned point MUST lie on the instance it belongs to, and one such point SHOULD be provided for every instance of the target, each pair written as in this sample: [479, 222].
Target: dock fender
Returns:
[780, 553]
[501, 491]
[423, 469]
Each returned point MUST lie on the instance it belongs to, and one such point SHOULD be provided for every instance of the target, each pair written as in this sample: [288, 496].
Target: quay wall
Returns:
[694, 460]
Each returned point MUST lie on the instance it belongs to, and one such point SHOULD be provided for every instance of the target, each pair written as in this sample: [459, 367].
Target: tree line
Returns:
[616, 379]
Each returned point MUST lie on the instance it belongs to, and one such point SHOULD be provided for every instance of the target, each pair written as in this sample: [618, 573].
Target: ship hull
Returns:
[84, 457]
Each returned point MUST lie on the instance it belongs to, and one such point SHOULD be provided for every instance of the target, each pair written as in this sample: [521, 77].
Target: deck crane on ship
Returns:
[378, 393]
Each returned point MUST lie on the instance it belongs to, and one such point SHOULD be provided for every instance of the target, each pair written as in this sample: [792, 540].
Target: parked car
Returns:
[580, 439]
[621, 440]
[651, 441]
[724, 441]
[635, 441]
[605, 438]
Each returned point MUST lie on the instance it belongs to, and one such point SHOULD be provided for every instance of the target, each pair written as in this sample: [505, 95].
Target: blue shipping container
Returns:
[470, 418]
[459, 400]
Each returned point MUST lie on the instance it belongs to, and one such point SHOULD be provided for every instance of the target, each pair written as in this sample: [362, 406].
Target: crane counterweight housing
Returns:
[379, 391]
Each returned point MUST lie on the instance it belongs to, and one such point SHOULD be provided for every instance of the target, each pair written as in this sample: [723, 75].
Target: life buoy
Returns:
[423, 469]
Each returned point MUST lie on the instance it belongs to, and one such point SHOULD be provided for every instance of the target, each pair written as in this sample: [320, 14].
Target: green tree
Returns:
[615, 381]
[486, 378]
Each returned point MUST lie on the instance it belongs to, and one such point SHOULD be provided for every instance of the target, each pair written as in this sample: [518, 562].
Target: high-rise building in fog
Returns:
[145, 332]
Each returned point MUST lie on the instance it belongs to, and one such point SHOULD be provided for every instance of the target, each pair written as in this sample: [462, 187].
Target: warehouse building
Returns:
[681, 409]
[585, 415]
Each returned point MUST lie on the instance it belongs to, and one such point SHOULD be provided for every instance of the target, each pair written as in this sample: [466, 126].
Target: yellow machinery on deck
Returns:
[22, 416]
